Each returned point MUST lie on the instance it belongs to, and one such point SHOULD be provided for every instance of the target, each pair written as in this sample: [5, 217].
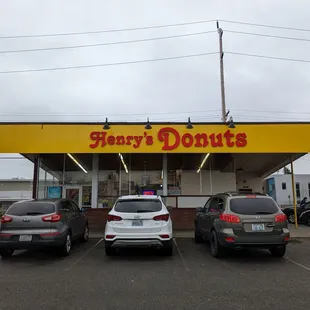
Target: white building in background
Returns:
[12, 190]
[279, 186]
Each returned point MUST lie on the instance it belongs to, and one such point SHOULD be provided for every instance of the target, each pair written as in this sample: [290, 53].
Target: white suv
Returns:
[138, 221]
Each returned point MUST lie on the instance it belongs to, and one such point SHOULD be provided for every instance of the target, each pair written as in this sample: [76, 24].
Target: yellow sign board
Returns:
[164, 138]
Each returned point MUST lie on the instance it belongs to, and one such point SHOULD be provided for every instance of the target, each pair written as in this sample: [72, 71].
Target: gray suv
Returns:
[239, 220]
[42, 223]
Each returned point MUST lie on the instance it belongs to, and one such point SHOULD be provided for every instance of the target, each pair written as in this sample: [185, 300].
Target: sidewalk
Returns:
[301, 232]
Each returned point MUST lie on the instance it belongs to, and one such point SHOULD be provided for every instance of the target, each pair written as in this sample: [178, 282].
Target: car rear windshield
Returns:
[253, 206]
[31, 208]
[138, 206]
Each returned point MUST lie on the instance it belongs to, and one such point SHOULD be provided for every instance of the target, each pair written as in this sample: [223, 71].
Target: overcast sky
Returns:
[256, 88]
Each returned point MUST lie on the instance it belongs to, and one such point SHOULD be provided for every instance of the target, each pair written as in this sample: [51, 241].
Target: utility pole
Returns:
[220, 32]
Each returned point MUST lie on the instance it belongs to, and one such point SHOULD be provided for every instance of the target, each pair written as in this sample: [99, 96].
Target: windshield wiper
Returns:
[263, 212]
[34, 213]
[143, 211]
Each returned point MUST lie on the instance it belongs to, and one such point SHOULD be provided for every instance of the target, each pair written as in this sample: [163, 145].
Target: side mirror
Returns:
[199, 209]
[82, 210]
[169, 208]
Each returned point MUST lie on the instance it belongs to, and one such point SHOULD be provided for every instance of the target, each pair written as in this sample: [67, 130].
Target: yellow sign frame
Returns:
[162, 138]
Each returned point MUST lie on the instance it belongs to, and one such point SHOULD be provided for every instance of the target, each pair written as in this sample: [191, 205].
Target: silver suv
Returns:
[42, 223]
[238, 220]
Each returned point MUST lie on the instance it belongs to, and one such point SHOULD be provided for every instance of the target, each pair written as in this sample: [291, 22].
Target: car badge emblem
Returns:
[137, 216]
[257, 217]
[26, 220]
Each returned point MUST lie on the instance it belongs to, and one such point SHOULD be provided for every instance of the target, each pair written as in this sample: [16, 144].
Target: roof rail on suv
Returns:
[241, 193]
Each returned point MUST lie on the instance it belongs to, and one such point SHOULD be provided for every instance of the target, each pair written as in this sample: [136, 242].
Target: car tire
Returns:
[198, 236]
[109, 251]
[85, 236]
[217, 250]
[291, 217]
[278, 251]
[65, 249]
[6, 253]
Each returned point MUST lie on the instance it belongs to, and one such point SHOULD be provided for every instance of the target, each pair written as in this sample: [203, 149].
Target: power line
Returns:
[109, 115]
[105, 31]
[107, 64]
[106, 44]
[268, 57]
[264, 25]
[267, 35]
[270, 111]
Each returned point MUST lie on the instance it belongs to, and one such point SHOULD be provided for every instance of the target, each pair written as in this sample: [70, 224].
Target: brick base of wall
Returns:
[182, 219]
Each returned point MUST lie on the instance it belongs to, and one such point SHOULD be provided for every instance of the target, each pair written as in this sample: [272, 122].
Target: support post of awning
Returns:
[36, 169]
[294, 193]
[165, 175]
[95, 181]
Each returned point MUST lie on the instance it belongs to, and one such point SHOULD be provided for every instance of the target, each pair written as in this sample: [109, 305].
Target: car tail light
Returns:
[56, 233]
[109, 236]
[113, 218]
[6, 219]
[287, 238]
[230, 239]
[229, 218]
[51, 218]
[280, 218]
[162, 217]
[164, 236]
[5, 235]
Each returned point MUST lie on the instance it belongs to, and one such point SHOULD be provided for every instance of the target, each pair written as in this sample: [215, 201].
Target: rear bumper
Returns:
[229, 239]
[140, 243]
[39, 242]
[131, 241]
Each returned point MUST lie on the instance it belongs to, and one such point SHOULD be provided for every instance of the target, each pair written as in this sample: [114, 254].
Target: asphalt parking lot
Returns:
[190, 279]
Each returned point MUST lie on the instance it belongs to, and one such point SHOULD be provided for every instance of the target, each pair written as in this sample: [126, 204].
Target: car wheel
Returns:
[85, 234]
[198, 236]
[308, 221]
[5, 253]
[217, 250]
[291, 218]
[65, 249]
[278, 251]
[109, 251]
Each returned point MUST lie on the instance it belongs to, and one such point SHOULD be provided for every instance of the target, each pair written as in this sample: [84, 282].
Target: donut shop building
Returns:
[95, 163]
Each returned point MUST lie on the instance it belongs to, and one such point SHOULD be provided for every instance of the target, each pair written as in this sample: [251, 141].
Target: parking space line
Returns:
[79, 259]
[182, 258]
[297, 264]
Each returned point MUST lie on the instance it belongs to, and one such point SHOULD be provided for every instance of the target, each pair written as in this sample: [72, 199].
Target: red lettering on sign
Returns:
[163, 136]
[120, 140]
[201, 137]
[97, 137]
[187, 140]
[216, 140]
[128, 140]
[228, 136]
[111, 140]
[241, 140]
[138, 140]
[149, 140]
[171, 139]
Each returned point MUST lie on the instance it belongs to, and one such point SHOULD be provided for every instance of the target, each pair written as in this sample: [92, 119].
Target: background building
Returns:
[279, 186]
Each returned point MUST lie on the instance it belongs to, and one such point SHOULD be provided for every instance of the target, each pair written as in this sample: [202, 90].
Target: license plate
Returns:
[137, 223]
[25, 238]
[258, 227]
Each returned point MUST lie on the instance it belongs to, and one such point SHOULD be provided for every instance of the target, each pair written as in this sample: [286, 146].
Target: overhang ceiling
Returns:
[260, 165]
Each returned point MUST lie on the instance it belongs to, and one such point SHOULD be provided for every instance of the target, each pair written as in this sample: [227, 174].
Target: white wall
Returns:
[216, 183]
[249, 181]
